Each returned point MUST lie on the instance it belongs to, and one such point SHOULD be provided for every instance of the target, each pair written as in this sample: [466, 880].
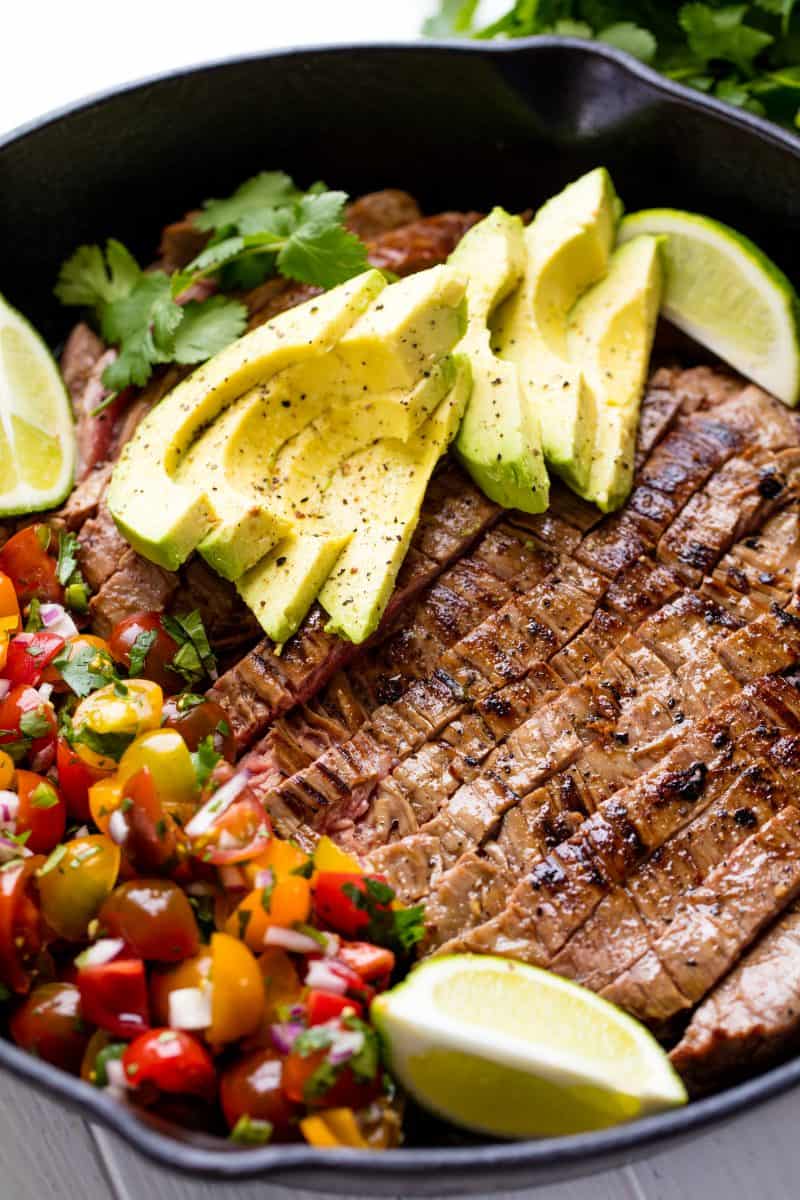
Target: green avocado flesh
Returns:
[568, 245]
[272, 459]
[499, 441]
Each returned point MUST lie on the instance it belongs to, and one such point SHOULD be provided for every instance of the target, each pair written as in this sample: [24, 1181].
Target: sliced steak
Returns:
[752, 1018]
[420, 244]
[380, 212]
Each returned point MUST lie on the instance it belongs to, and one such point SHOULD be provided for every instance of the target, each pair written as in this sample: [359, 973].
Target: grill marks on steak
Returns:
[525, 632]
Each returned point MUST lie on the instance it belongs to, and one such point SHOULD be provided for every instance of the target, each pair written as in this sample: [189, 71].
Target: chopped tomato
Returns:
[114, 995]
[155, 646]
[147, 834]
[237, 991]
[193, 972]
[7, 771]
[28, 723]
[75, 777]
[171, 1061]
[33, 572]
[373, 963]
[239, 833]
[75, 881]
[20, 924]
[49, 1025]
[284, 903]
[196, 722]
[41, 813]
[325, 1006]
[305, 1083]
[154, 917]
[108, 711]
[10, 620]
[29, 654]
[338, 909]
[253, 1087]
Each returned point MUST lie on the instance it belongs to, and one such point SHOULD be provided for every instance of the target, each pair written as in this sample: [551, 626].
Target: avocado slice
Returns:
[163, 519]
[499, 442]
[358, 527]
[383, 492]
[610, 333]
[568, 245]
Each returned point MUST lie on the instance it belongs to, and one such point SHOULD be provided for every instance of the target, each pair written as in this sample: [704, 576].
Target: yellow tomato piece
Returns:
[193, 972]
[105, 797]
[166, 755]
[280, 856]
[97, 1042]
[333, 1127]
[237, 991]
[74, 882]
[7, 770]
[329, 857]
[4, 640]
[286, 903]
[282, 984]
[9, 605]
[105, 711]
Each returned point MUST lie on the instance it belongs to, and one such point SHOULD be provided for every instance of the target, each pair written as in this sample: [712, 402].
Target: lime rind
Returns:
[37, 431]
[753, 322]
[413, 1024]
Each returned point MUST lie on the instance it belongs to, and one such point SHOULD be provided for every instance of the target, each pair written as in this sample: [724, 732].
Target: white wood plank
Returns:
[45, 1150]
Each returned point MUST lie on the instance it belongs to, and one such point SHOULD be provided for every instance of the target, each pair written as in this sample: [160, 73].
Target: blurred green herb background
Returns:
[746, 54]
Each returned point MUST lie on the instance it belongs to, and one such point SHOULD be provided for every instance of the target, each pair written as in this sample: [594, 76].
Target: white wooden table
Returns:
[50, 55]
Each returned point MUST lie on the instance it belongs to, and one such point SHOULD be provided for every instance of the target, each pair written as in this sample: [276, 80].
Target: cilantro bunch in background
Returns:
[267, 227]
[746, 54]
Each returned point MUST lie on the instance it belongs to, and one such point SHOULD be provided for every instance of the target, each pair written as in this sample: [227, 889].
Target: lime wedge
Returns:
[509, 1050]
[37, 439]
[724, 292]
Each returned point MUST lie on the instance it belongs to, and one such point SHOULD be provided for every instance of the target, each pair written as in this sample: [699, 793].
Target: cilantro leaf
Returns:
[34, 723]
[722, 34]
[67, 557]
[85, 668]
[397, 928]
[207, 327]
[269, 189]
[89, 280]
[320, 251]
[34, 622]
[108, 745]
[142, 324]
[194, 658]
[204, 760]
[454, 17]
[140, 650]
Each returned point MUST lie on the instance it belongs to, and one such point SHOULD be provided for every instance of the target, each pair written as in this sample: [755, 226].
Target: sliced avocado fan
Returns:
[499, 441]
[568, 246]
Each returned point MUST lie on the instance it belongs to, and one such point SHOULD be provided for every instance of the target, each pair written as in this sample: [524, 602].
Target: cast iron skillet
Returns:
[461, 126]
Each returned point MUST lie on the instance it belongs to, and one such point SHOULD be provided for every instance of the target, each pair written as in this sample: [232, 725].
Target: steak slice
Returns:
[752, 1018]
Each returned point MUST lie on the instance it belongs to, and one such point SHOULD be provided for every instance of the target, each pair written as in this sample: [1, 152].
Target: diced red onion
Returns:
[5, 688]
[320, 975]
[219, 803]
[45, 690]
[264, 878]
[332, 943]
[190, 1008]
[102, 951]
[57, 620]
[345, 1046]
[284, 1035]
[115, 1072]
[118, 827]
[82, 832]
[233, 878]
[290, 939]
[9, 850]
[9, 806]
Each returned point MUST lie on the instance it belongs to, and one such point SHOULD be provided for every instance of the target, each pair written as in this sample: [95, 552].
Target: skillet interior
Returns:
[460, 126]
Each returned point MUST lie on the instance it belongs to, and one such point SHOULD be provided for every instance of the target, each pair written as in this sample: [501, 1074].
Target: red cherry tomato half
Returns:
[151, 838]
[160, 653]
[241, 832]
[25, 716]
[49, 1025]
[171, 1061]
[343, 1091]
[114, 996]
[154, 917]
[333, 905]
[20, 923]
[325, 1006]
[32, 570]
[196, 722]
[42, 812]
[75, 777]
[28, 656]
[253, 1087]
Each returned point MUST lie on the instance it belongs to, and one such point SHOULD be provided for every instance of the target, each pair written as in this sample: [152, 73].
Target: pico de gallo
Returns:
[156, 937]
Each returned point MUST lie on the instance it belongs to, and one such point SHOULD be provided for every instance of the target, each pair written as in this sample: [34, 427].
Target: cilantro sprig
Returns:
[746, 54]
[397, 928]
[194, 659]
[268, 226]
